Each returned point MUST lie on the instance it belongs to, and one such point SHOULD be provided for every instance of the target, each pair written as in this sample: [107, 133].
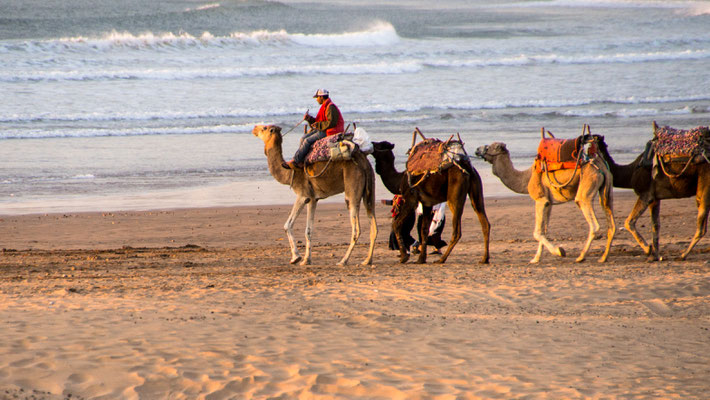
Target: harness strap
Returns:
[663, 168]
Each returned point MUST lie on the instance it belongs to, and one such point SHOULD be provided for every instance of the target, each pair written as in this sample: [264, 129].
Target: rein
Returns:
[294, 127]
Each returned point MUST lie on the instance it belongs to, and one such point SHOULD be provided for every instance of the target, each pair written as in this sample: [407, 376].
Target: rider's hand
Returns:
[307, 116]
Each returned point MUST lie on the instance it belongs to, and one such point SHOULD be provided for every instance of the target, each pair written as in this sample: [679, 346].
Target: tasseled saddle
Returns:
[677, 145]
[431, 156]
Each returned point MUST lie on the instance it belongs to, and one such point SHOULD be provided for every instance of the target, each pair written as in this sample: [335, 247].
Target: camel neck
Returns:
[275, 158]
[622, 173]
[512, 178]
[391, 178]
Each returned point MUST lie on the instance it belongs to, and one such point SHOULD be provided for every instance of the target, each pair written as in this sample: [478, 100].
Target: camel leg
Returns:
[354, 210]
[476, 195]
[406, 209]
[542, 218]
[588, 212]
[606, 199]
[369, 201]
[310, 217]
[630, 223]
[288, 227]
[456, 207]
[426, 217]
[703, 202]
[655, 231]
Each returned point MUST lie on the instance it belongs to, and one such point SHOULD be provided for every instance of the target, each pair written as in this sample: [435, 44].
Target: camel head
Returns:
[491, 151]
[270, 134]
[384, 156]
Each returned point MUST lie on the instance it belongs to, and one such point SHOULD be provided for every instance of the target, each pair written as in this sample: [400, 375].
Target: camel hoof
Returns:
[534, 261]
[579, 259]
[484, 260]
[296, 259]
[420, 259]
[306, 262]
[602, 259]
[562, 253]
[403, 258]
[652, 258]
[440, 261]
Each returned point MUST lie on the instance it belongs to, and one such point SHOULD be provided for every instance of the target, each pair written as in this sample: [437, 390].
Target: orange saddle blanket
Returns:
[557, 154]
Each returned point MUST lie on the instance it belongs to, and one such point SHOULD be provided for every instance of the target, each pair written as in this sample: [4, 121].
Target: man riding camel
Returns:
[327, 122]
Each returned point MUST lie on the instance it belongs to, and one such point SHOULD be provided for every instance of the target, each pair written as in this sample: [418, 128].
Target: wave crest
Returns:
[379, 34]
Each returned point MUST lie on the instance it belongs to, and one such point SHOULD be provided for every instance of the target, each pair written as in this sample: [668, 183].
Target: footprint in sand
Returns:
[658, 307]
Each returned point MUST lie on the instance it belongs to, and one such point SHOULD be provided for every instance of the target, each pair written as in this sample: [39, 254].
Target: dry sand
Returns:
[202, 303]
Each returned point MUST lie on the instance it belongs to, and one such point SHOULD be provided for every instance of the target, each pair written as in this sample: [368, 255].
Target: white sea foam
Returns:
[204, 7]
[532, 59]
[605, 4]
[135, 131]
[379, 34]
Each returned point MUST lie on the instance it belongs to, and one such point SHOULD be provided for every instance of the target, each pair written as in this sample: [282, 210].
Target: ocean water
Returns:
[111, 105]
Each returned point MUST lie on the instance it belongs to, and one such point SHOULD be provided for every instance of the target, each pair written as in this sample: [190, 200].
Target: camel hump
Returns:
[674, 143]
[558, 153]
[433, 156]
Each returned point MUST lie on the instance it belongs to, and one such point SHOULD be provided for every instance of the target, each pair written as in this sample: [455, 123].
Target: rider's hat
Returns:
[321, 92]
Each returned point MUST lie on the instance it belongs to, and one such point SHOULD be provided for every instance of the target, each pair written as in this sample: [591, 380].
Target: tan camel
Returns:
[549, 189]
[354, 177]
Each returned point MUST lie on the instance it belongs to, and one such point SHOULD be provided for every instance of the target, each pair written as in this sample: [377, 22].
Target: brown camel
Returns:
[650, 191]
[451, 185]
[321, 180]
[582, 185]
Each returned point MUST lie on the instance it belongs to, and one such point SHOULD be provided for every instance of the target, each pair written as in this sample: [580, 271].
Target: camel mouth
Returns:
[481, 151]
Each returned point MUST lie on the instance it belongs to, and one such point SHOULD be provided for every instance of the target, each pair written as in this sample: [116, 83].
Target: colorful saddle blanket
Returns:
[672, 144]
[434, 155]
[321, 149]
[555, 154]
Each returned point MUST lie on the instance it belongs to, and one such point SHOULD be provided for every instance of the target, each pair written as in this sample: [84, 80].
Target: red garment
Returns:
[397, 202]
[321, 116]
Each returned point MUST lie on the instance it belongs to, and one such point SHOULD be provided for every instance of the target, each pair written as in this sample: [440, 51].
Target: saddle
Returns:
[555, 154]
[335, 147]
[431, 156]
[677, 145]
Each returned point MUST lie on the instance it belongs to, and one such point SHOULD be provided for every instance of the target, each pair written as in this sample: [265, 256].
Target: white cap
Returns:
[321, 92]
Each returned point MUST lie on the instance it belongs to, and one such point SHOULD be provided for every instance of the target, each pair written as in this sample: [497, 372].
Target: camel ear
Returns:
[275, 129]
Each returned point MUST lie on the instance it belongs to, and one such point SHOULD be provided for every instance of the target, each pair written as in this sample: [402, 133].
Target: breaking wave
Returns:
[379, 34]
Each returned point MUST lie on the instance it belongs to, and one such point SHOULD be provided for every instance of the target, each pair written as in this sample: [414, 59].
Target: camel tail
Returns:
[370, 188]
[369, 195]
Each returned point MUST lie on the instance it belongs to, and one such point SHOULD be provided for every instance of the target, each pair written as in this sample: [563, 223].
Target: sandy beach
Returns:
[202, 303]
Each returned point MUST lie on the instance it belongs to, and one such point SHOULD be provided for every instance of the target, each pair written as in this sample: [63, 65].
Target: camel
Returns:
[353, 177]
[650, 191]
[582, 186]
[451, 185]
